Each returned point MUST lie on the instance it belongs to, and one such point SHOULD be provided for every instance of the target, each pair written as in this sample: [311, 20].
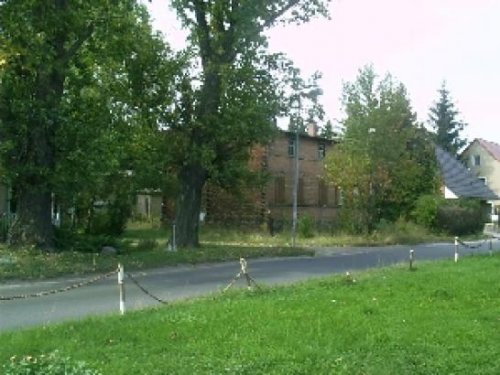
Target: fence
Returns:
[121, 274]
[243, 273]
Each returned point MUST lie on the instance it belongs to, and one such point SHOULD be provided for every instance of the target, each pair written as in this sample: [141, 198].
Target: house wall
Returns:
[488, 168]
[316, 198]
[272, 197]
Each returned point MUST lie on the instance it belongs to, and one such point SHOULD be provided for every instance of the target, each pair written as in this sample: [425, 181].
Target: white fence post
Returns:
[456, 249]
[412, 258]
[121, 286]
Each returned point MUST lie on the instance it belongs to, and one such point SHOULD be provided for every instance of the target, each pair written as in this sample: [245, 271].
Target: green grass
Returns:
[33, 264]
[143, 246]
[400, 232]
[443, 318]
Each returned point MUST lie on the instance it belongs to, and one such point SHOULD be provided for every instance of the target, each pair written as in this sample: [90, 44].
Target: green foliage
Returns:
[229, 96]
[401, 231]
[385, 161]
[147, 244]
[328, 132]
[443, 118]
[385, 321]
[461, 217]
[69, 240]
[454, 217]
[85, 89]
[306, 226]
[426, 210]
[50, 364]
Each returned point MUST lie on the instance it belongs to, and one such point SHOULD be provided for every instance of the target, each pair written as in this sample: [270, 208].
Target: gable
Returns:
[459, 180]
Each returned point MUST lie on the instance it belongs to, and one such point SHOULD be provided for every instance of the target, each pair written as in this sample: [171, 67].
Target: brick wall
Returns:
[316, 198]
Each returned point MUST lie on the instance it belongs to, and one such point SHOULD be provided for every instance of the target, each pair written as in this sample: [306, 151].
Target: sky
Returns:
[421, 43]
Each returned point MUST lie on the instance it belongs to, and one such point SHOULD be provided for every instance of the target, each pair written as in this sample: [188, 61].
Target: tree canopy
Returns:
[230, 95]
[447, 127]
[384, 161]
[82, 86]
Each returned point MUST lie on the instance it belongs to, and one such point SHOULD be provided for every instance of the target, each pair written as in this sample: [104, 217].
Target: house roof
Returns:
[460, 180]
[492, 148]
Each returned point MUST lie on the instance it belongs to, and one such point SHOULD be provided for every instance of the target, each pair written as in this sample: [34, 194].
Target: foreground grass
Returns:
[442, 319]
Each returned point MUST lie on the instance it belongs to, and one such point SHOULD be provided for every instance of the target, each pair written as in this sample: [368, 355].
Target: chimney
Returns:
[312, 129]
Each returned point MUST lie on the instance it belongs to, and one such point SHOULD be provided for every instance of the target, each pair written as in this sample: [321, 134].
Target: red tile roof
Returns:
[492, 147]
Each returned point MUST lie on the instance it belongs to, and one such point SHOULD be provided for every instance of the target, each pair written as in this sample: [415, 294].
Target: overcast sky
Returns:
[420, 42]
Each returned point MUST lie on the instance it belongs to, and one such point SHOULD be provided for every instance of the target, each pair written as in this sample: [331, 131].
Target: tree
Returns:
[73, 90]
[384, 161]
[443, 118]
[230, 97]
[303, 102]
[328, 132]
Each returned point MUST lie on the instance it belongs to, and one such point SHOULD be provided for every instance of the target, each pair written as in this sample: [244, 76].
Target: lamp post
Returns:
[295, 185]
[313, 93]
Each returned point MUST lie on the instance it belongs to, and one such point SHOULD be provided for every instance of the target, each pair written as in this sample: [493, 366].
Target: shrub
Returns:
[147, 244]
[51, 364]
[306, 227]
[461, 217]
[69, 240]
[455, 217]
[426, 210]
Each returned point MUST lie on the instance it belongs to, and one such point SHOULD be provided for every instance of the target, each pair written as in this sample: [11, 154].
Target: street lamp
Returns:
[312, 93]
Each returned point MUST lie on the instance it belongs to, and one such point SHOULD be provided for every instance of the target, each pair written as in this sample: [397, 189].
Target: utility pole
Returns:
[295, 185]
[312, 93]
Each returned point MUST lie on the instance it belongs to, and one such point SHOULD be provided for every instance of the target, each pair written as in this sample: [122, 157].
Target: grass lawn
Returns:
[143, 246]
[443, 318]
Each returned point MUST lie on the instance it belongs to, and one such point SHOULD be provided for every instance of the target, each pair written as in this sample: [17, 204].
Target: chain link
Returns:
[60, 290]
[476, 246]
[145, 290]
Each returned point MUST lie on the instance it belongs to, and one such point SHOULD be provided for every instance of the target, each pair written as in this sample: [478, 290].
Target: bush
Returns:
[399, 232]
[426, 210]
[455, 217]
[461, 217]
[69, 240]
[306, 227]
[51, 364]
[147, 244]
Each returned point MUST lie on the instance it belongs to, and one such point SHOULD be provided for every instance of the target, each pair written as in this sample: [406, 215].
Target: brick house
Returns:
[274, 197]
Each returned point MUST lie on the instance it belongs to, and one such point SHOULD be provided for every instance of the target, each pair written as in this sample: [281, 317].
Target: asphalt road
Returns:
[173, 283]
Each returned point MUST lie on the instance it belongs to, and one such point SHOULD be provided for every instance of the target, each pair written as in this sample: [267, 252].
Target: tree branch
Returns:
[203, 30]
[280, 12]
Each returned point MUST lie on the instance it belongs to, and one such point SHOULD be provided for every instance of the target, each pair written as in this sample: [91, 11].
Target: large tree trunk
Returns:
[192, 179]
[33, 222]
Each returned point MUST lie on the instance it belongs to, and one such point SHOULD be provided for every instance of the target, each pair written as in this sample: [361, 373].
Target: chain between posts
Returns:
[144, 290]
[472, 246]
[243, 272]
[59, 290]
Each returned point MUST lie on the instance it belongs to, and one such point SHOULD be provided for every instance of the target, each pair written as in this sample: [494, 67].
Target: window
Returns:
[291, 147]
[483, 179]
[322, 193]
[279, 190]
[321, 151]
[476, 160]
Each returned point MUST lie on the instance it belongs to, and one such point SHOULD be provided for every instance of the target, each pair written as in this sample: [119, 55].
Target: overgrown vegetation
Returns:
[441, 319]
[144, 245]
[454, 217]
[385, 160]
